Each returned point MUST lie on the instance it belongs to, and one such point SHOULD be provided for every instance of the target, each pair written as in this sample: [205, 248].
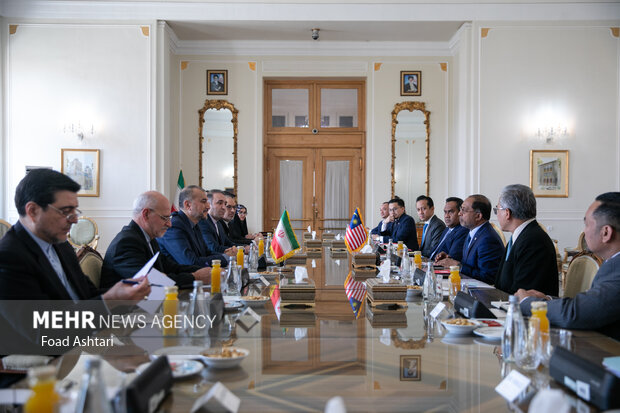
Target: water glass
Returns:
[528, 346]
[557, 337]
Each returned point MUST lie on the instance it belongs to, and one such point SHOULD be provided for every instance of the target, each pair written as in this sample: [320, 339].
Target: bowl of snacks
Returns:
[460, 326]
[414, 289]
[254, 300]
[225, 358]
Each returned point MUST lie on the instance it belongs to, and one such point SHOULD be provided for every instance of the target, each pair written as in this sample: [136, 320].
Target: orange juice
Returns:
[539, 311]
[455, 281]
[44, 397]
[261, 247]
[417, 259]
[216, 271]
[170, 309]
[240, 257]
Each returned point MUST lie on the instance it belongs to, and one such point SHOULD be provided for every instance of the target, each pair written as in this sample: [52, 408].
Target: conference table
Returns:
[403, 361]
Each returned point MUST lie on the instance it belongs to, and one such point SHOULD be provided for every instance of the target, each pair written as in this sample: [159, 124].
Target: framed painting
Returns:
[410, 83]
[549, 173]
[217, 82]
[82, 165]
[411, 368]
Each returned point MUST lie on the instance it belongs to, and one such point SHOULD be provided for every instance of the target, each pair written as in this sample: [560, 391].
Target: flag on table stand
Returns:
[356, 293]
[275, 299]
[356, 234]
[284, 243]
[180, 186]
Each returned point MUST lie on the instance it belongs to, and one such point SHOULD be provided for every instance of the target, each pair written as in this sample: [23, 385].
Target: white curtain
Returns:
[337, 195]
[291, 187]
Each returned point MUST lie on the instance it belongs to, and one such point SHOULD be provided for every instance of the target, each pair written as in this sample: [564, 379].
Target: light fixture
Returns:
[78, 130]
[315, 34]
[550, 133]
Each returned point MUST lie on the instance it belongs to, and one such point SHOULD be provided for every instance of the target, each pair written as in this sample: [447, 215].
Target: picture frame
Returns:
[549, 173]
[217, 82]
[410, 367]
[411, 83]
[82, 165]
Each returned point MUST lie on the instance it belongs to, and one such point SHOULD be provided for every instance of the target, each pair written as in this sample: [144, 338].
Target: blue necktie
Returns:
[424, 232]
[466, 245]
[508, 248]
[448, 230]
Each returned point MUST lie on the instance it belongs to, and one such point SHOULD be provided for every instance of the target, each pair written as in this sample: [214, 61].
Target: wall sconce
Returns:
[550, 133]
[78, 130]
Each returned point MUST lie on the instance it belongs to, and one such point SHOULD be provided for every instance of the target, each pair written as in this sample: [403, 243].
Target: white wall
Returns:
[60, 73]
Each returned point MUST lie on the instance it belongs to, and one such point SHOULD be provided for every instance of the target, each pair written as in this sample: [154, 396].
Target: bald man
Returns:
[136, 244]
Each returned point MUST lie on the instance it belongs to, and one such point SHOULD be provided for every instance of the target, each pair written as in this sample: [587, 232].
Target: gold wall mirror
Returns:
[217, 137]
[410, 151]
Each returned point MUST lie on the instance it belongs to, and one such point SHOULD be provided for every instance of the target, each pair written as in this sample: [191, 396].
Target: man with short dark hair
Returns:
[433, 226]
[136, 244]
[403, 228]
[453, 237]
[213, 232]
[483, 248]
[530, 260]
[599, 307]
[385, 226]
[229, 222]
[183, 241]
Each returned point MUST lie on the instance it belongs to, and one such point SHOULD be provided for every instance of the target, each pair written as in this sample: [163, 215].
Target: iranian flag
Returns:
[180, 186]
[275, 299]
[284, 243]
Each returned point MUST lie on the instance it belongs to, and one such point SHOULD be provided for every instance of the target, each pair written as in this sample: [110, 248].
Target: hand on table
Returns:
[442, 255]
[447, 262]
[521, 294]
[203, 274]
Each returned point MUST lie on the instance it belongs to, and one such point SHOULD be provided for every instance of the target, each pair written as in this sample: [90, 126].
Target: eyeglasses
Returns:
[68, 215]
[495, 209]
[465, 211]
[165, 218]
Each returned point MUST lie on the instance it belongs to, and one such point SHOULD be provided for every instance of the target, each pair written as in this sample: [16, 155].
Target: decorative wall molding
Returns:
[252, 66]
[484, 32]
[378, 66]
[13, 28]
[443, 66]
[615, 31]
[184, 64]
[145, 30]
[288, 66]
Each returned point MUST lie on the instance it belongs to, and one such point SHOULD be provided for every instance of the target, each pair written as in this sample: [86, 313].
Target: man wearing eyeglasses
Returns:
[212, 228]
[136, 244]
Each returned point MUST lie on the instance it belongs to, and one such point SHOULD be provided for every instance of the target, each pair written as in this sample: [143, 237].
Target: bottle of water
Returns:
[429, 289]
[513, 327]
[233, 278]
[93, 397]
[253, 258]
[197, 310]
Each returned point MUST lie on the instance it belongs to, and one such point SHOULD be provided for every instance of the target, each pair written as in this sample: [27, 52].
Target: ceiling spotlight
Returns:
[315, 34]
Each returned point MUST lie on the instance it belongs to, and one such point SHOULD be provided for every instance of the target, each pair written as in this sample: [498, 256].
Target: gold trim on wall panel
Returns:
[444, 66]
[145, 30]
[13, 28]
[615, 31]
[484, 32]
[184, 65]
[252, 66]
[378, 66]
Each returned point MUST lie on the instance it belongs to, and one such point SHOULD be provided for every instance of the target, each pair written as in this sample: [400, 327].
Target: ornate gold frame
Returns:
[410, 106]
[563, 156]
[217, 104]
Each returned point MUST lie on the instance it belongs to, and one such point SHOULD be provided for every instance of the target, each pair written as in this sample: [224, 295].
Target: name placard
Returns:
[512, 386]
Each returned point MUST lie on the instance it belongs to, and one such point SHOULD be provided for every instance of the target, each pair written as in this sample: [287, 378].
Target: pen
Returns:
[136, 282]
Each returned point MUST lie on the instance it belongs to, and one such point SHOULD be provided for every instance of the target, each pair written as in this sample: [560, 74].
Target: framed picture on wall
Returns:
[411, 83]
[549, 173]
[82, 165]
[217, 82]
[410, 368]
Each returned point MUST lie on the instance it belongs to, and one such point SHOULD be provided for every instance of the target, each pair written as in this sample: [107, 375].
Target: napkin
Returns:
[385, 337]
[550, 400]
[384, 271]
[338, 237]
[300, 333]
[300, 274]
[313, 234]
[367, 249]
[24, 362]
[309, 229]
[335, 405]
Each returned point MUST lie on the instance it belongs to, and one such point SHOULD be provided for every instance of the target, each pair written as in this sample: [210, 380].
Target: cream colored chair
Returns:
[580, 274]
[570, 253]
[499, 232]
[4, 227]
[91, 263]
[84, 232]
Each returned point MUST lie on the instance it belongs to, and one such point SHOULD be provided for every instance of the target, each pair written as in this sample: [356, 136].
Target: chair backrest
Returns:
[499, 232]
[84, 232]
[4, 227]
[580, 275]
[582, 245]
[91, 263]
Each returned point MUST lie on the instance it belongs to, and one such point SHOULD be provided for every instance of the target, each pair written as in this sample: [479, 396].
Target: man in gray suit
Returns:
[433, 226]
[599, 307]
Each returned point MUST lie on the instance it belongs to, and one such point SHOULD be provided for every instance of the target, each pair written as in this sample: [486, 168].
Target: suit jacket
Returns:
[453, 243]
[481, 259]
[595, 309]
[129, 251]
[432, 236]
[215, 242]
[183, 243]
[237, 230]
[531, 263]
[404, 230]
[377, 229]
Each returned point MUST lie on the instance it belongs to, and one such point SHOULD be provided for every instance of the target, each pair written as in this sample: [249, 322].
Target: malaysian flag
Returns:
[356, 234]
[356, 293]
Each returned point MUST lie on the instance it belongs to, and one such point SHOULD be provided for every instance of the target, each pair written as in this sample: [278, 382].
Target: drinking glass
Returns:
[528, 351]
[557, 337]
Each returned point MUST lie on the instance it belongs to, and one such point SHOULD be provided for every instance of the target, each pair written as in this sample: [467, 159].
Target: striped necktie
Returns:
[424, 232]
[508, 248]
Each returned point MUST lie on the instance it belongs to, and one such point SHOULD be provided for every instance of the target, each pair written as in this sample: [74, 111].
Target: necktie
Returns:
[424, 232]
[508, 248]
[466, 245]
[448, 230]
[52, 256]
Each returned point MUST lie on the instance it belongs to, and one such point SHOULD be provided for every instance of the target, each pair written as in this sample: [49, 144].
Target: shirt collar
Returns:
[520, 229]
[472, 233]
[429, 220]
[146, 236]
[44, 245]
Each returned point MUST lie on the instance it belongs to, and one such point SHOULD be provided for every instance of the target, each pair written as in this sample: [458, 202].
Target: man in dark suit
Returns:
[530, 261]
[403, 228]
[483, 248]
[183, 241]
[232, 224]
[136, 244]
[212, 229]
[598, 308]
[453, 237]
[433, 226]
[385, 226]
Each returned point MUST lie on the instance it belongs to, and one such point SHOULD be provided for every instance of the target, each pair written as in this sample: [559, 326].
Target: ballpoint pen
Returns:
[137, 282]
